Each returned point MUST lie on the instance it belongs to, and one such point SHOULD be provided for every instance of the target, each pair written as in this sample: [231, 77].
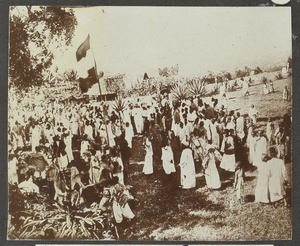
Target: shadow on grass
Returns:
[164, 205]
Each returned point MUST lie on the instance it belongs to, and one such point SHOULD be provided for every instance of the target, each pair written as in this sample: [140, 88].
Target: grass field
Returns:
[166, 212]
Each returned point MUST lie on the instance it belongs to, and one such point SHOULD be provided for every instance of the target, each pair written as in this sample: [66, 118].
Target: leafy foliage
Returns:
[32, 31]
[167, 72]
[196, 87]
[179, 92]
[35, 216]
[115, 84]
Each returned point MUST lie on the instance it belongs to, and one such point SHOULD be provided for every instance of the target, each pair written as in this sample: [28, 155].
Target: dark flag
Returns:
[83, 48]
[87, 83]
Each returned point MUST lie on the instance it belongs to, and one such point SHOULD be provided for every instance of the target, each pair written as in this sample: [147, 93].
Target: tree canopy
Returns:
[34, 33]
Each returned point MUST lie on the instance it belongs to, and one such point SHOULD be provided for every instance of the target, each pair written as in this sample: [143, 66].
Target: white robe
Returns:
[148, 165]
[262, 181]
[240, 124]
[211, 173]
[260, 150]
[129, 135]
[187, 169]
[68, 142]
[168, 160]
[277, 177]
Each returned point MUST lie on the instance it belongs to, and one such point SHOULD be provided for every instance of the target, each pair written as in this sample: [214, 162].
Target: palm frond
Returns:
[119, 105]
[196, 88]
[179, 92]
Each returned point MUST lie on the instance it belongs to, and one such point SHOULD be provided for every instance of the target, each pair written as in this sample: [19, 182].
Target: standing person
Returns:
[168, 159]
[239, 181]
[148, 165]
[59, 152]
[262, 183]
[265, 88]
[68, 142]
[125, 152]
[228, 159]
[211, 173]
[187, 169]
[240, 126]
[95, 169]
[156, 140]
[36, 134]
[245, 87]
[260, 148]
[253, 114]
[215, 134]
[18, 134]
[176, 148]
[277, 178]
[12, 169]
[285, 94]
[129, 134]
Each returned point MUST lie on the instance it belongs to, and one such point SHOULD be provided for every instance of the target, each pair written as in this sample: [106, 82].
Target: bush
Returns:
[278, 76]
[258, 70]
[34, 216]
[264, 79]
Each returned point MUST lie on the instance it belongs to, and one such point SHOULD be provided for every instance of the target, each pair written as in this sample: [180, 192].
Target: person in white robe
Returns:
[148, 164]
[277, 178]
[265, 89]
[68, 142]
[88, 130]
[138, 119]
[228, 159]
[111, 136]
[262, 183]
[12, 169]
[240, 126]
[260, 148]
[253, 114]
[129, 134]
[168, 160]
[215, 137]
[251, 142]
[211, 173]
[36, 133]
[187, 169]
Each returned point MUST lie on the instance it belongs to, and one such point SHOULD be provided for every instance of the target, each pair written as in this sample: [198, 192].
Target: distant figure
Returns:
[253, 113]
[271, 87]
[265, 89]
[238, 181]
[285, 93]
[245, 88]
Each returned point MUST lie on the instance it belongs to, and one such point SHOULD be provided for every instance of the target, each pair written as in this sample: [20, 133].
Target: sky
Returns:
[135, 40]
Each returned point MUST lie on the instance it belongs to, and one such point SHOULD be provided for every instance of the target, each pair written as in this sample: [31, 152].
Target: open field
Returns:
[166, 212]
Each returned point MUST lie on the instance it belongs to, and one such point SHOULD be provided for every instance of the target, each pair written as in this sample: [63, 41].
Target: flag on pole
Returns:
[87, 83]
[83, 48]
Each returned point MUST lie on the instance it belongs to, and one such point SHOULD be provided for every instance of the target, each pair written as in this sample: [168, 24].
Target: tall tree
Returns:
[33, 30]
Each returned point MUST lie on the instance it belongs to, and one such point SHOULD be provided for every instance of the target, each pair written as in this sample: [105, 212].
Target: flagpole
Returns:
[97, 76]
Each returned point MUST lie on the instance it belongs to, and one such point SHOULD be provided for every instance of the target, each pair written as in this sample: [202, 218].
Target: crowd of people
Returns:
[74, 147]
